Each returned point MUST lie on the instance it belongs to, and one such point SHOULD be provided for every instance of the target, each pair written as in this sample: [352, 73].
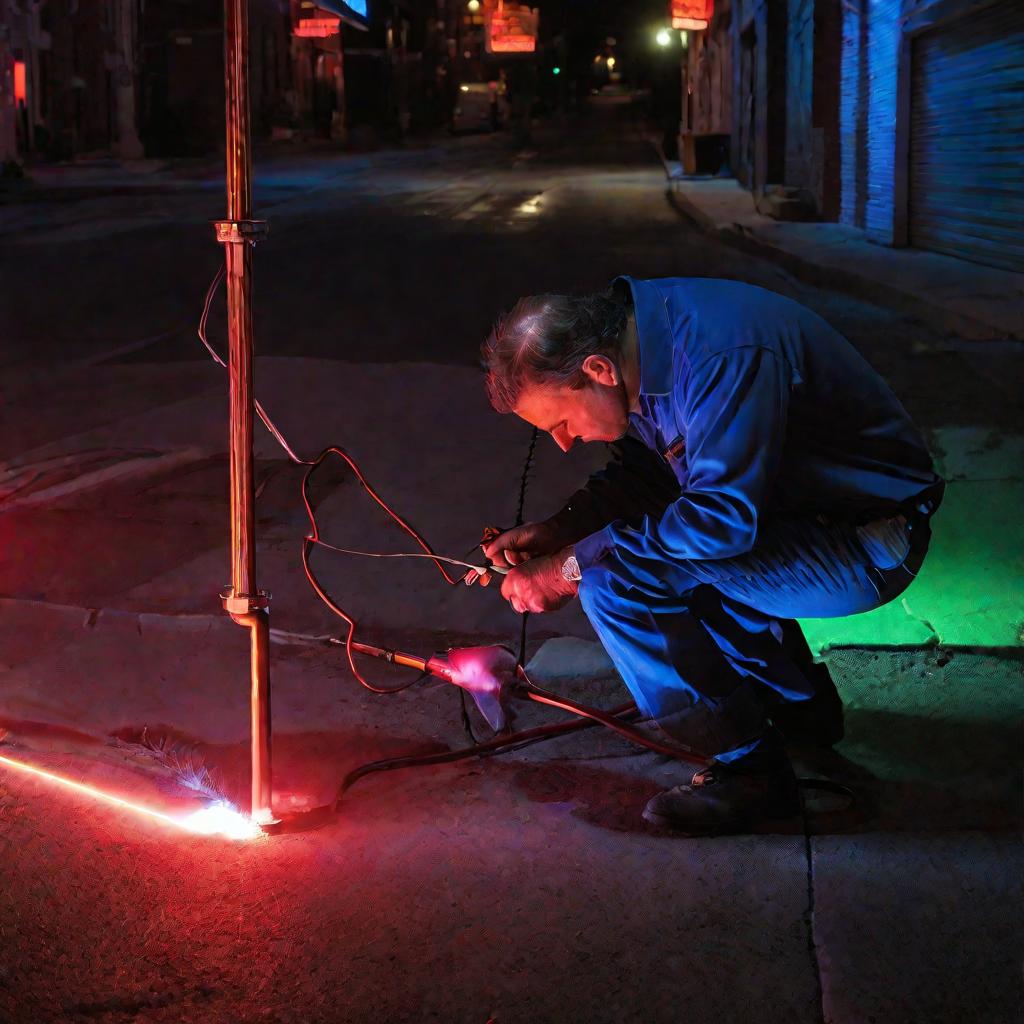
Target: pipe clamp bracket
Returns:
[242, 604]
[237, 232]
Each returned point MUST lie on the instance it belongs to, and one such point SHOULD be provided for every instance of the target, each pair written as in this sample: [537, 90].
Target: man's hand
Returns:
[538, 585]
[513, 547]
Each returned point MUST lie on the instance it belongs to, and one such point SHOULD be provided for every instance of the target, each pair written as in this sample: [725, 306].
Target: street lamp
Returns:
[664, 37]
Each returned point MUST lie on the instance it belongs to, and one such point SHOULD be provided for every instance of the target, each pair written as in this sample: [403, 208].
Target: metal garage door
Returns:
[967, 137]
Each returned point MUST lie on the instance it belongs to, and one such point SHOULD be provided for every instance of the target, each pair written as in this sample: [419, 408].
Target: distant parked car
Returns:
[481, 106]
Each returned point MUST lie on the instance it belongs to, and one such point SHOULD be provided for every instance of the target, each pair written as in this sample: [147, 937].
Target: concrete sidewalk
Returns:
[950, 295]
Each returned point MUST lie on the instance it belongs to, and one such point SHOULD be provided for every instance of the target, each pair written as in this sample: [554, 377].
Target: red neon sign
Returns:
[511, 28]
[20, 95]
[694, 15]
[317, 28]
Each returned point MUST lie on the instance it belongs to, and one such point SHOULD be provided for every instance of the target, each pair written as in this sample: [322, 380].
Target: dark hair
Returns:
[545, 339]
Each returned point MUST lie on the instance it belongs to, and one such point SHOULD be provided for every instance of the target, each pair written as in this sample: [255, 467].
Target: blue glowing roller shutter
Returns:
[967, 137]
[352, 12]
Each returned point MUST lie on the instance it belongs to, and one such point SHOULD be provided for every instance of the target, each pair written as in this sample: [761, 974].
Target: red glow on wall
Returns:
[20, 95]
[693, 15]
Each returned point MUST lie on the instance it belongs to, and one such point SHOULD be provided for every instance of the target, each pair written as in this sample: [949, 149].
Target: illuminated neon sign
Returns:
[693, 15]
[511, 28]
[20, 93]
[317, 28]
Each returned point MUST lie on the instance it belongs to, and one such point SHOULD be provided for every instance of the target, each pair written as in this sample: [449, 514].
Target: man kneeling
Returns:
[761, 472]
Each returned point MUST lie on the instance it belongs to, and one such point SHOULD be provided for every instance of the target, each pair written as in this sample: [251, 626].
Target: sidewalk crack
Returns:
[812, 946]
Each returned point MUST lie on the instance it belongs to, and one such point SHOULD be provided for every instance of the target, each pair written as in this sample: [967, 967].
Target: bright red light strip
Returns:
[20, 93]
[80, 787]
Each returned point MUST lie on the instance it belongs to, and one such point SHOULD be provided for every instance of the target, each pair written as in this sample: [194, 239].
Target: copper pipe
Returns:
[244, 602]
[236, 94]
[238, 255]
[240, 372]
[258, 622]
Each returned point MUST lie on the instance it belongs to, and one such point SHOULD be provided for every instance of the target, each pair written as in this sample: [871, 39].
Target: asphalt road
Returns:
[403, 255]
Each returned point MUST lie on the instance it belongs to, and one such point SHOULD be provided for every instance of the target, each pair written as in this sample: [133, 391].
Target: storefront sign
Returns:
[511, 28]
[317, 28]
[692, 15]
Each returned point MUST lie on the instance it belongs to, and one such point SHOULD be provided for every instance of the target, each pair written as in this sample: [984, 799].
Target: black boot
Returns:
[729, 798]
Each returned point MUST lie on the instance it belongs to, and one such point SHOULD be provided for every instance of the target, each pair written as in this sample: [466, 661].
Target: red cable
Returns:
[631, 733]
[314, 536]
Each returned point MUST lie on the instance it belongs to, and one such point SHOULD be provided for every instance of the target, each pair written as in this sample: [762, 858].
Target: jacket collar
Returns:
[654, 335]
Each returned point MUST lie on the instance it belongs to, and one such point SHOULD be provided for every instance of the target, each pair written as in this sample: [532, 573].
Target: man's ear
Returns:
[601, 370]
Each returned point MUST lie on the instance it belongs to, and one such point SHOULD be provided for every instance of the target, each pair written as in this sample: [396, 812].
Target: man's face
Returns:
[595, 412]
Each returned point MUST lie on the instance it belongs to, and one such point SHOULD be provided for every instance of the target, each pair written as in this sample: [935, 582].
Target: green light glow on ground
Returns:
[969, 593]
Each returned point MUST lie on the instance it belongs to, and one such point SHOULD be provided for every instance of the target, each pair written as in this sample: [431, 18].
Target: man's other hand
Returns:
[538, 585]
[516, 546]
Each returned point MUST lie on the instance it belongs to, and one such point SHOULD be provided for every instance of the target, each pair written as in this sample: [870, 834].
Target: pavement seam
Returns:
[812, 945]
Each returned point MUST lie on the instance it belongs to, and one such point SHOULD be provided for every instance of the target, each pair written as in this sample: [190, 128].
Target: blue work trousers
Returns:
[695, 647]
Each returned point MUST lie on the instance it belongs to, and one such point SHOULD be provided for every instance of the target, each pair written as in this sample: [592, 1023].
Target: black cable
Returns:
[520, 513]
[498, 745]
[524, 479]
[467, 725]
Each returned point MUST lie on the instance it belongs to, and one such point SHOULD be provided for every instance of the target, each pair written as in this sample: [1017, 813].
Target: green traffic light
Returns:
[556, 71]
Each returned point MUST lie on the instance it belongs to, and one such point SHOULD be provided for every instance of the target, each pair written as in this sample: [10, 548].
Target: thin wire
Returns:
[403, 554]
[260, 411]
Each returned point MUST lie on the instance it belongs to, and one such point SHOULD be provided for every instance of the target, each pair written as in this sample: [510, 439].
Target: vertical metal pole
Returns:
[246, 604]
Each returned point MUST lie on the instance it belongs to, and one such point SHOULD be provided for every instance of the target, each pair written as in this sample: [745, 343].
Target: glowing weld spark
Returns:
[217, 819]
[222, 819]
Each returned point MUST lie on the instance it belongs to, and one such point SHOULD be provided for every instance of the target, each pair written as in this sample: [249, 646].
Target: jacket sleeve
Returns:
[636, 482]
[732, 409]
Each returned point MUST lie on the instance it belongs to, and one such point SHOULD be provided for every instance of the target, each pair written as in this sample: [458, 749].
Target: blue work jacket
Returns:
[760, 408]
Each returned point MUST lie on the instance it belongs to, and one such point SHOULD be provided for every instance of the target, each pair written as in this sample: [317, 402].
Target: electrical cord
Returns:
[498, 745]
[399, 554]
[520, 515]
[260, 411]
[541, 696]
[524, 480]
